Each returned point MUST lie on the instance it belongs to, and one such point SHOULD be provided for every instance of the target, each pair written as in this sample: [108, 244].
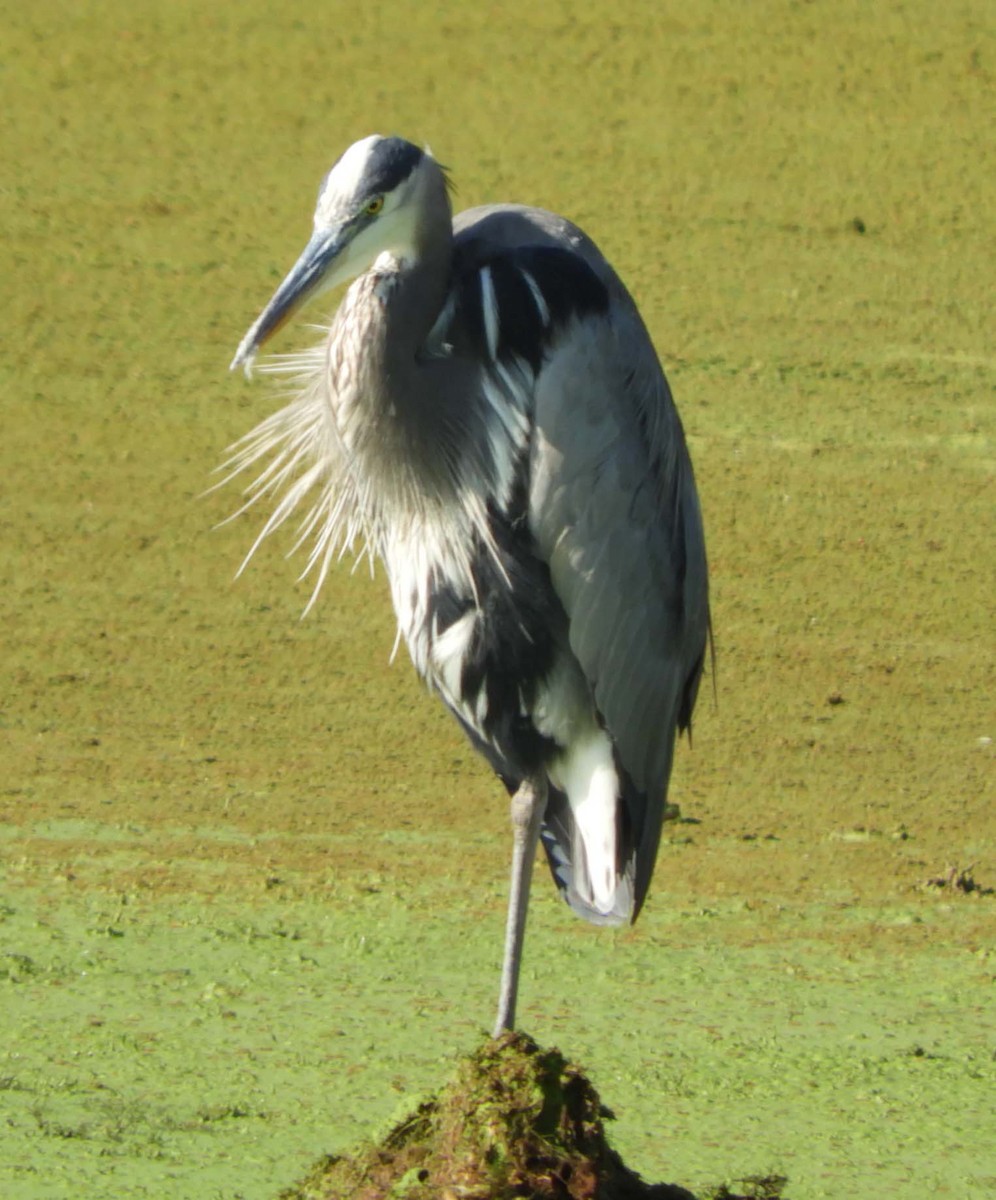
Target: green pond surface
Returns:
[214, 1046]
[252, 881]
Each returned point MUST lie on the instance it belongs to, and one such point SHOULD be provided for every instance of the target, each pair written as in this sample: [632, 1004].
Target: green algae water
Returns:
[216, 1043]
[252, 882]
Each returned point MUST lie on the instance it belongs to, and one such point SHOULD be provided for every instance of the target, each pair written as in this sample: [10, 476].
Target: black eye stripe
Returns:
[391, 162]
[388, 165]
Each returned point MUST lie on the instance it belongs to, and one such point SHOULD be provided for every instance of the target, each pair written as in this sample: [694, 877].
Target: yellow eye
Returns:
[373, 207]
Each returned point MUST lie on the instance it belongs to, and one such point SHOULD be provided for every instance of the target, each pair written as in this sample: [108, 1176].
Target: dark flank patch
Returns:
[512, 651]
[568, 286]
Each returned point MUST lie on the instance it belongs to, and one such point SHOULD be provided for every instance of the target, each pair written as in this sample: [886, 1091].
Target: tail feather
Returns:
[638, 830]
[566, 857]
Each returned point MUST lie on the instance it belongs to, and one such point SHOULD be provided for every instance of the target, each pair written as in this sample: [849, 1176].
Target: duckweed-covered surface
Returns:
[251, 880]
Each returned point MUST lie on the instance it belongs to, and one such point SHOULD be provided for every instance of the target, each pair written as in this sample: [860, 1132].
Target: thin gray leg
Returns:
[528, 806]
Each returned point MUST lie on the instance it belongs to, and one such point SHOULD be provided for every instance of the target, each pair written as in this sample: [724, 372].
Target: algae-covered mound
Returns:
[516, 1121]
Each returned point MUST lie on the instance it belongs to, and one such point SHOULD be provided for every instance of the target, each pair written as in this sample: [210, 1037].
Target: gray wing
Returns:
[614, 512]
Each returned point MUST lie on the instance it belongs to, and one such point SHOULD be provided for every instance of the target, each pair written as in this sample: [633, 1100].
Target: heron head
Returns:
[369, 204]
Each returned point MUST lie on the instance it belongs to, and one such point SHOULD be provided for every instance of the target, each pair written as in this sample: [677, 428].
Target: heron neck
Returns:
[413, 293]
[399, 412]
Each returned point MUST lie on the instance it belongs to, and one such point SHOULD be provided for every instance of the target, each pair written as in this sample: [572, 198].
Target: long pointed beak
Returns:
[303, 280]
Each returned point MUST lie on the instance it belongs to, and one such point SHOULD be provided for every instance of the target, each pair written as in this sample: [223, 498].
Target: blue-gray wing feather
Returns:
[613, 511]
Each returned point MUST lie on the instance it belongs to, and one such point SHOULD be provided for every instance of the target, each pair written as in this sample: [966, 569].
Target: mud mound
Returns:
[517, 1121]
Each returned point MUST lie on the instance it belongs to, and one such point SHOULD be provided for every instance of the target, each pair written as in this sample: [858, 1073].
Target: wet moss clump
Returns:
[516, 1121]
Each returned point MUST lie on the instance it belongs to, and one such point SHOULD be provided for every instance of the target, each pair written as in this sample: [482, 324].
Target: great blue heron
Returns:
[487, 415]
